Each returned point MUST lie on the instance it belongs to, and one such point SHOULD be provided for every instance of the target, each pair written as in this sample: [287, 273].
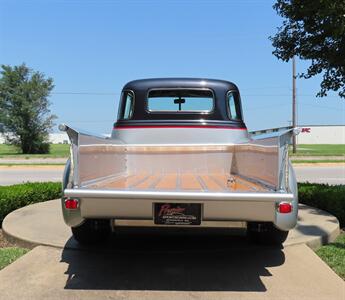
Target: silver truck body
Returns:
[233, 175]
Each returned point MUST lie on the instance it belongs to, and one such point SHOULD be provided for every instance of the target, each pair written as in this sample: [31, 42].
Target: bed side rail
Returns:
[89, 161]
[265, 158]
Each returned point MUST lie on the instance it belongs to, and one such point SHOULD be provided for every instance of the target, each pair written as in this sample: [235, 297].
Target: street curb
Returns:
[315, 242]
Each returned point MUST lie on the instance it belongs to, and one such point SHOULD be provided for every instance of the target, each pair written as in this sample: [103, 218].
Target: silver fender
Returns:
[72, 218]
[289, 221]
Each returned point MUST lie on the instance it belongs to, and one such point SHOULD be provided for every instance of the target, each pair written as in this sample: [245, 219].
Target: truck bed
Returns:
[181, 182]
[218, 182]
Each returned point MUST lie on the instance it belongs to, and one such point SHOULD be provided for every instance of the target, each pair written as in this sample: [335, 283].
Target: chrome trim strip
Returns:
[201, 182]
[172, 195]
[153, 185]
[255, 181]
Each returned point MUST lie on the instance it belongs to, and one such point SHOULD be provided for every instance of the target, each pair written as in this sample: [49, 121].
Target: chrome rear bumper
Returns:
[138, 205]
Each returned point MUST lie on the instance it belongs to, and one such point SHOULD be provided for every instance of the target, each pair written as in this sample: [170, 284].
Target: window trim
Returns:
[122, 107]
[238, 100]
[200, 112]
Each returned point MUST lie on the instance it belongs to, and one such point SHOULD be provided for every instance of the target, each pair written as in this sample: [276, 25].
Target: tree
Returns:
[24, 108]
[314, 30]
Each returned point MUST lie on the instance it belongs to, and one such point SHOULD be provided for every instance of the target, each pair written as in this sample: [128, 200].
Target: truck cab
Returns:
[179, 110]
[180, 155]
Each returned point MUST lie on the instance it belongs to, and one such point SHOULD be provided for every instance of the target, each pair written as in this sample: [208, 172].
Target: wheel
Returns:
[92, 231]
[265, 233]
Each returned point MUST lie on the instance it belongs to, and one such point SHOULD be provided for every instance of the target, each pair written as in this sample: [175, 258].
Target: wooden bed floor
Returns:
[181, 182]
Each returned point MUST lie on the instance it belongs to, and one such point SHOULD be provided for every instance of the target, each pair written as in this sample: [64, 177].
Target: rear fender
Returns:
[73, 217]
[288, 221]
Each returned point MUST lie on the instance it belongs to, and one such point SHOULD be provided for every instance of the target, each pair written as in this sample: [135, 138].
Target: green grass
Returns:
[317, 161]
[334, 255]
[56, 150]
[320, 150]
[9, 255]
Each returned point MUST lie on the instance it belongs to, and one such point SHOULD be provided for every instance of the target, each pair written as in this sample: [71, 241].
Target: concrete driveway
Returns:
[151, 263]
[172, 268]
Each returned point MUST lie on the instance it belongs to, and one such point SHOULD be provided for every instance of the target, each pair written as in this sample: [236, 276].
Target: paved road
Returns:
[321, 174]
[20, 174]
[17, 174]
[20, 160]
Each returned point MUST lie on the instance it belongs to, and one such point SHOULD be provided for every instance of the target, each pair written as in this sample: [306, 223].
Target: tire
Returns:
[265, 233]
[92, 231]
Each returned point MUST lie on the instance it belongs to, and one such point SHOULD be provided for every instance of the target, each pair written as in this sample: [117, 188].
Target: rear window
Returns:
[180, 101]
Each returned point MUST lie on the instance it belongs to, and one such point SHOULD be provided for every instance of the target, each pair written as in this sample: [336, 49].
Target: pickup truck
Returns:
[180, 156]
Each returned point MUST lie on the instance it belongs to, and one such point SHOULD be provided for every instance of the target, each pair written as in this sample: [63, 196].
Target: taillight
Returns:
[285, 207]
[71, 203]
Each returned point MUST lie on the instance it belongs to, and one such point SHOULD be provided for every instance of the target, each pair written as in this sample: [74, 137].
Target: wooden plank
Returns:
[189, 182]
[168, 182]
[103, 184]
[125, 182]
[210, 184]
[148, 182]
[240, 184]
[255, 186]
[222, 180]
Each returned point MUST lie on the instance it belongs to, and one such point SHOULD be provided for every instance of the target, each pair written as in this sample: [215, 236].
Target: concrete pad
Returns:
[42, 224]
[146, 273]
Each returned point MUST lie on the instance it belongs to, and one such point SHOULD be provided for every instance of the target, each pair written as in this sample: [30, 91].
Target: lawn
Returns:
[334, 255]
[9, 255]
[56, 150]
[320, 150]
[317, 161]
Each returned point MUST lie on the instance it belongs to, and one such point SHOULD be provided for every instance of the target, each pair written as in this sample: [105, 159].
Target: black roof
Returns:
[153, 83]
[219, 115]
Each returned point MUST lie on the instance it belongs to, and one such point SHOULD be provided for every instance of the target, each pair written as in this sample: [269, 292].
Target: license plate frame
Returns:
[177, 213]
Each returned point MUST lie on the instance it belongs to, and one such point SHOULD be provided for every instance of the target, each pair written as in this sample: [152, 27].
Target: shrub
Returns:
[42, 148]
[19, 195]
[324, 196]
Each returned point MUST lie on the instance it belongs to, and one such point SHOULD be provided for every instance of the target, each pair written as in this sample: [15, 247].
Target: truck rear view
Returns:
[180, 155]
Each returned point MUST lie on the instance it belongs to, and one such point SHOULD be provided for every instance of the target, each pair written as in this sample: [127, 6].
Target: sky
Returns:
[92, 48]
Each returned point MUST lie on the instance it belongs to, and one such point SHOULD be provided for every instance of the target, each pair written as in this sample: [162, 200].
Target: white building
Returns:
[321, 134]
[58, 138]
[54, 138]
